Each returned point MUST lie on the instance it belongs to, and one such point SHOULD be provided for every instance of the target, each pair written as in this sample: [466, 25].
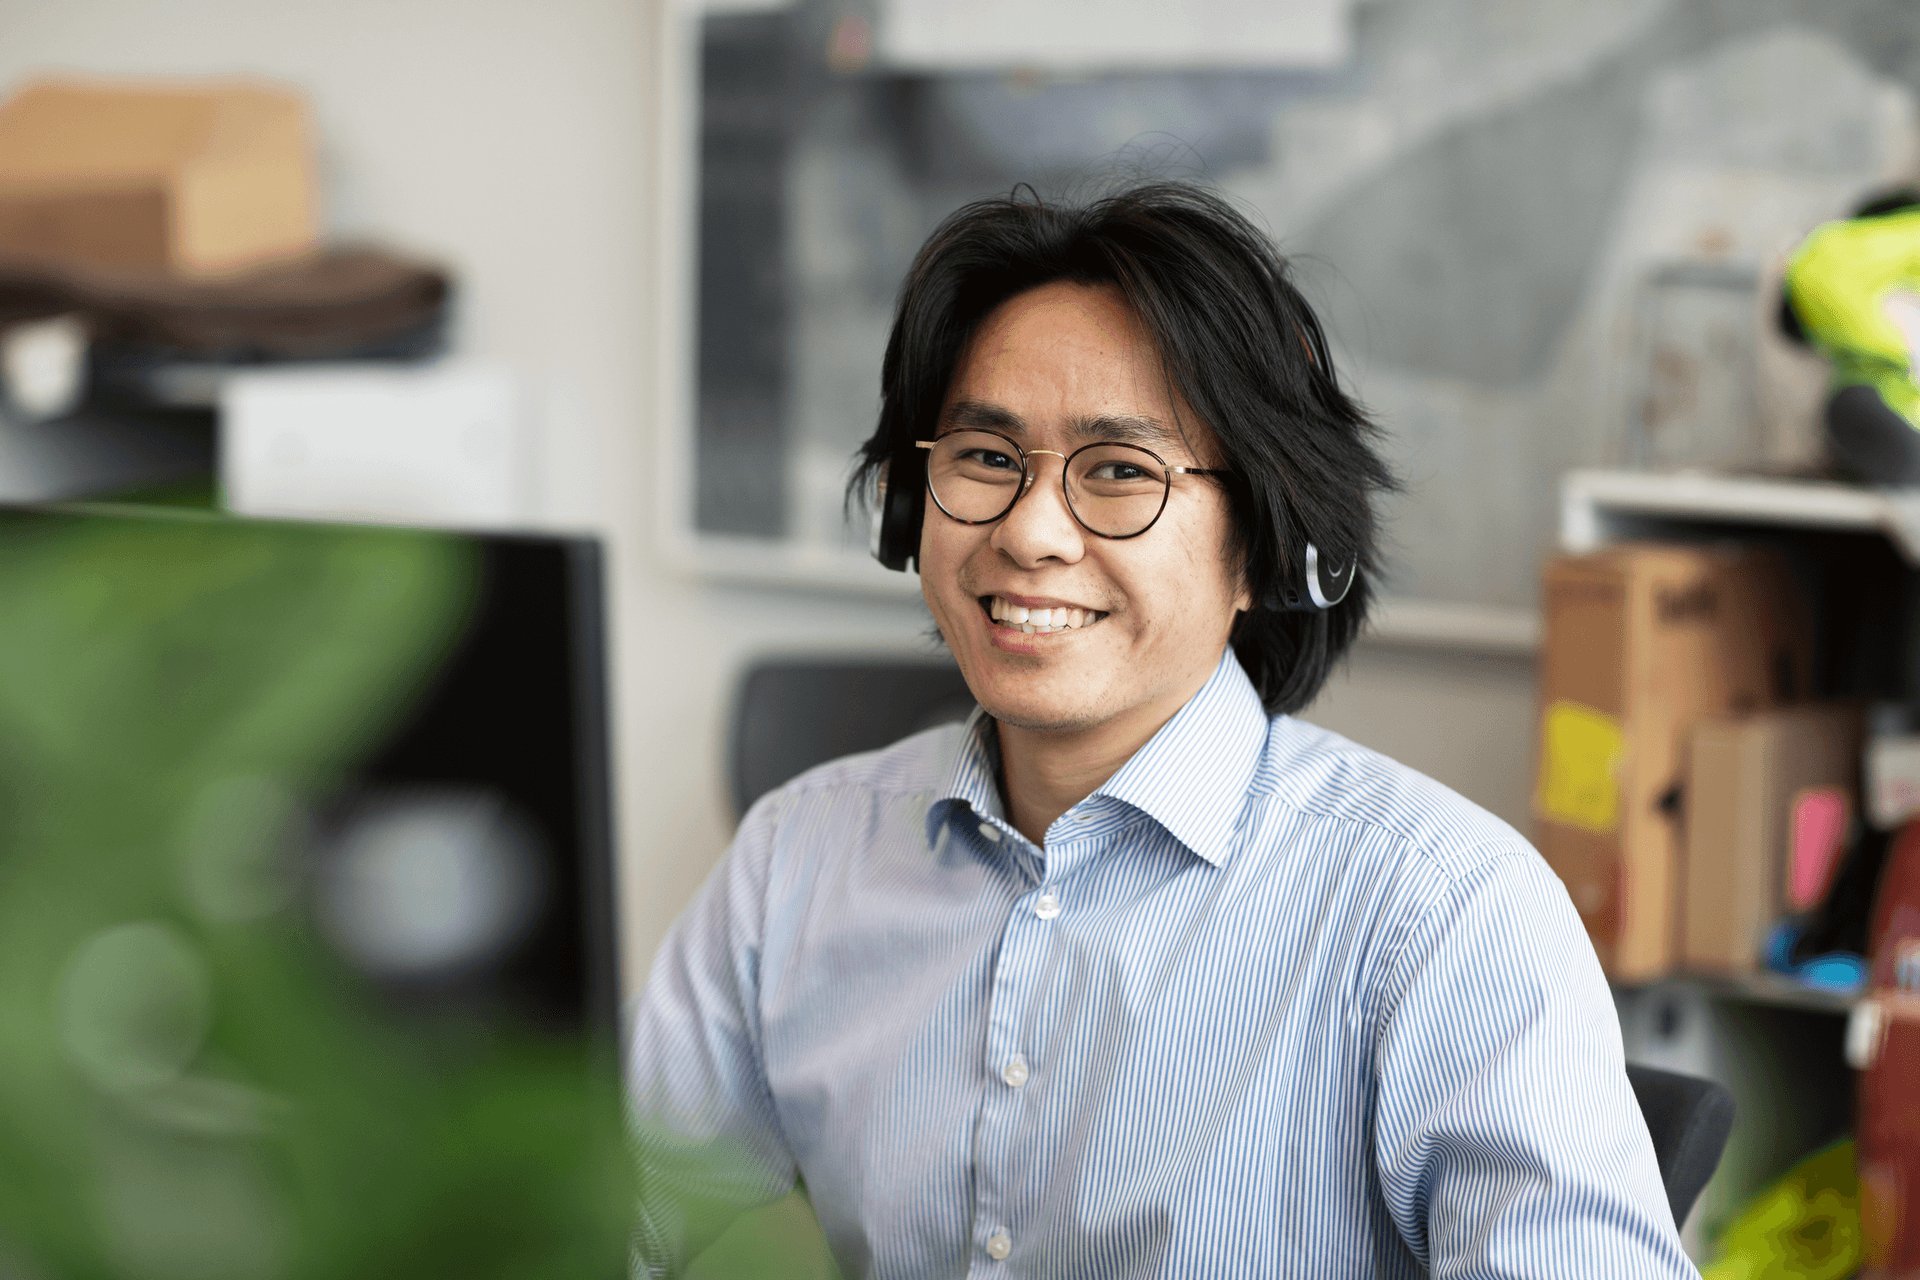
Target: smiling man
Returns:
[1134, 974]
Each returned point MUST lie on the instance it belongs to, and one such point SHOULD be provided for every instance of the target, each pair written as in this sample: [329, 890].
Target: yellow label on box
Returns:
[1580, 751]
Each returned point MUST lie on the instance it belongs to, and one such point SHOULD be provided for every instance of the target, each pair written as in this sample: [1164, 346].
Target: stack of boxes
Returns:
[1677, 751]
[1703, 809]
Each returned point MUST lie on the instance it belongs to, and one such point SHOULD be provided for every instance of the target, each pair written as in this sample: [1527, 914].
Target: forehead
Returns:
[1068, 361]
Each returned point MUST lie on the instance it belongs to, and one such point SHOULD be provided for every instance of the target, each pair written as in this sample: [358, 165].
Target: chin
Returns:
[1034, 711]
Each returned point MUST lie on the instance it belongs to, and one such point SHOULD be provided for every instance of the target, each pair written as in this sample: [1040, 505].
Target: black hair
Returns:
[1238, 342]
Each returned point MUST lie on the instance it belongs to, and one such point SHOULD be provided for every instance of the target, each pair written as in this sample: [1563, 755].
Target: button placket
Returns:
[1016, 976]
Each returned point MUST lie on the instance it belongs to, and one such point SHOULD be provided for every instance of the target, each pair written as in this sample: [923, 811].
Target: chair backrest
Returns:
[1688, 1119]
[795, 713]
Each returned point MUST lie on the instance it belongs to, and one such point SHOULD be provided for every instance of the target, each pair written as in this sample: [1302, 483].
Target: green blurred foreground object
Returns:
[191, 1086]
[1804, 1227]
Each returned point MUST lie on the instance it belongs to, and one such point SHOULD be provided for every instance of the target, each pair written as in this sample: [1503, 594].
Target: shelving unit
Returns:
[1598, 507]
[1775, 1043]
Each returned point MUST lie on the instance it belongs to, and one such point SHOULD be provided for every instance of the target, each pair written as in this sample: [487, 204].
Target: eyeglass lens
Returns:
[1115, 490]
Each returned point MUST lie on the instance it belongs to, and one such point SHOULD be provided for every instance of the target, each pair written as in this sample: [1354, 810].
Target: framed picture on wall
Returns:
[1475, 201]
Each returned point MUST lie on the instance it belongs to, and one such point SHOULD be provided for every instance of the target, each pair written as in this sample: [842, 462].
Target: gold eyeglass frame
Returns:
[1027, 475]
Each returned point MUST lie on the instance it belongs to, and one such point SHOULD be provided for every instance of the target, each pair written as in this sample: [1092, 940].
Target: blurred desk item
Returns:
[147, 354]
[191, 178]
[1696, 352]
[795, 713]
[435, 444]
[345, 303]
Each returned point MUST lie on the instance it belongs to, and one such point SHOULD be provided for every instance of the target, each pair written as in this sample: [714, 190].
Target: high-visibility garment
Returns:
[1850, 281]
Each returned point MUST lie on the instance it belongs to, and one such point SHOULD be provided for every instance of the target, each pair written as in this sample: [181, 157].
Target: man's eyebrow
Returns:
[1126, 428]
[975, 413]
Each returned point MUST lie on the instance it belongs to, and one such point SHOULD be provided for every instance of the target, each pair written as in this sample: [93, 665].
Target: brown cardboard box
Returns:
[1641, 640]
[195, 179]
[1745, 775]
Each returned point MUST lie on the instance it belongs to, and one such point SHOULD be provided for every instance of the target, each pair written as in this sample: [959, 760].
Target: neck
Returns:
[1044, 773]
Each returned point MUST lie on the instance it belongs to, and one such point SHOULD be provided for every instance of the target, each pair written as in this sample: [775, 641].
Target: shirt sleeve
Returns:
[1507, 1139]
[705, 1133]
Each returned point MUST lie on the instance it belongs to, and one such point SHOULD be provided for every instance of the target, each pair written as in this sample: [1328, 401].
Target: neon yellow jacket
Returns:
[1841, 280]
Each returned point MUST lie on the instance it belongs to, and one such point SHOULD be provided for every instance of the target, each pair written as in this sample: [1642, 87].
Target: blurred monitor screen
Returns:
[304, 900]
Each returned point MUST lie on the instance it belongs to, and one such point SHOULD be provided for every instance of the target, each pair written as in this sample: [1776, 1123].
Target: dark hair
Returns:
[1238, 342]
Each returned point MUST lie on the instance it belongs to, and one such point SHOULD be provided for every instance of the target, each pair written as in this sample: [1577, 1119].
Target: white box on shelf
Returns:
[435, 444]
[1893, 779]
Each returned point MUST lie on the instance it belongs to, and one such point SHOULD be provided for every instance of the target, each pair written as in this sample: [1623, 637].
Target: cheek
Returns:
[942, 560]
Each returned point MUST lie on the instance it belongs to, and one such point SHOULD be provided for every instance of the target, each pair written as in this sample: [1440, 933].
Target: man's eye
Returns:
[1117, 471]
[988, 458]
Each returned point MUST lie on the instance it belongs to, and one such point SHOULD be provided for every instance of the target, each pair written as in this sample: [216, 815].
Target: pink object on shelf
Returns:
[1817, 832]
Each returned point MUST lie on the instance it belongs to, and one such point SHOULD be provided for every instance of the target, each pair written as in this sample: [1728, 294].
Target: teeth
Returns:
[1040, 621]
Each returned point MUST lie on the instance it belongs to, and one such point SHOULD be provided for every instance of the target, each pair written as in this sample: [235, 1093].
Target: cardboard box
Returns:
[1762, 791]
[196, 179]
[1641, 640]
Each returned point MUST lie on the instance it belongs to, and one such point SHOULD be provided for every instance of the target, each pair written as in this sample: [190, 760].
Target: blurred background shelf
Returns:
[1770, 989]
[1603, 506]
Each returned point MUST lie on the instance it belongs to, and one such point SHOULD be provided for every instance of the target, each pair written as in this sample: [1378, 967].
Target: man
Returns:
[1134, 975]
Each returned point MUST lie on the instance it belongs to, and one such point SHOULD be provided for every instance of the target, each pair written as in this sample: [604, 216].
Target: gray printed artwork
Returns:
[1543, 236]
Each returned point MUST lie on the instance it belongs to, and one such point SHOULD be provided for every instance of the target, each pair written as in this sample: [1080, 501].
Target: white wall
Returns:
[514, 141]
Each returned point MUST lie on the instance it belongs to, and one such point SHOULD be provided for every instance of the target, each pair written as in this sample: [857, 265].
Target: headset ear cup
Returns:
[1316, 583]
[1327, 581]
[896, 532]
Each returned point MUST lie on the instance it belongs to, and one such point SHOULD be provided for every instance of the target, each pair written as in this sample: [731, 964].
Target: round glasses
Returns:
[1114, 490]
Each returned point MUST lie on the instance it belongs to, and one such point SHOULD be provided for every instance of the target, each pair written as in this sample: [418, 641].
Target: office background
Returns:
[547, 153]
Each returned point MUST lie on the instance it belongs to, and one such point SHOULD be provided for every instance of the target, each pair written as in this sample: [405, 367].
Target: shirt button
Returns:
[1015, 1072]
[999, 1245]
[1047, 907]
[990, 831]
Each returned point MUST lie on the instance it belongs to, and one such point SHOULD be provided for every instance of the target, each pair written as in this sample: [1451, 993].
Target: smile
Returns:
[1039, 621]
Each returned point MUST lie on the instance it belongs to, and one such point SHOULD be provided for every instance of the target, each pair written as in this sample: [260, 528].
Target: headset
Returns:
[1313, 583]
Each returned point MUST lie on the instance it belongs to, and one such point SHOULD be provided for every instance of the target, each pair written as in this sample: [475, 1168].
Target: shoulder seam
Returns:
[1453, 885]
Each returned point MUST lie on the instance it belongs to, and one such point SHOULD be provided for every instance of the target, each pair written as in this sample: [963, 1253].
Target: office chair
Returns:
[794, 713]
[1688, 1119]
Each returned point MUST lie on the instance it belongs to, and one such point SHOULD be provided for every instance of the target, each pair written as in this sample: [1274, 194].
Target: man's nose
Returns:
[1041, 525]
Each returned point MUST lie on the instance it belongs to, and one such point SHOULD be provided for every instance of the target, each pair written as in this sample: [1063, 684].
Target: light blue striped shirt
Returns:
[1266, 1004]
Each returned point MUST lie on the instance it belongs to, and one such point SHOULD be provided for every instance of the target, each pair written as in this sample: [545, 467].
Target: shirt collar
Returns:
[1191, 777]
[973, 782]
